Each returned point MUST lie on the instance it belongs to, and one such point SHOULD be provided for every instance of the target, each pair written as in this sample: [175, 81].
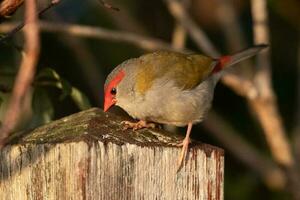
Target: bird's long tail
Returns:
[227, 61]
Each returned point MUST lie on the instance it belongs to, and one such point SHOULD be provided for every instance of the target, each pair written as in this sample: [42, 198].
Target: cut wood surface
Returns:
[88, 156]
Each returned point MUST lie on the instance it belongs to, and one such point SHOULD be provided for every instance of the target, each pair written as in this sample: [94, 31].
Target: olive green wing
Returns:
[191, 70]
[187, 71]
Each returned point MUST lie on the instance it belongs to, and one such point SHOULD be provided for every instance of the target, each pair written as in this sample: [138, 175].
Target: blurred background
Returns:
[72, 70]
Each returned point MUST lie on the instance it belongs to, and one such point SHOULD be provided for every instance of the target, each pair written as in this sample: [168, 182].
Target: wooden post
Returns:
[88, 156]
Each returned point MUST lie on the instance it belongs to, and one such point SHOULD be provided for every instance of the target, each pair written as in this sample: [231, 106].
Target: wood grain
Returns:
[88, 156]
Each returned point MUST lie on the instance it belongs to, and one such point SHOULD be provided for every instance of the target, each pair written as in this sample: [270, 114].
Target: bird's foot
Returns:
[137, 125]
[185, 145]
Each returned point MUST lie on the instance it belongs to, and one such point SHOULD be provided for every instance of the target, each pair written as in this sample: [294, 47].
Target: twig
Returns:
[272, 175]
[228, 20]
[241, 86]
[265, 105]
[234, 36]
[179, 33]
[262, 107]
[177, 10]
[124, 20]
[22, 24]
[26, 73]
[179, 37]
[296, 129]
[109, 6]
[146, 43]
[8, 7]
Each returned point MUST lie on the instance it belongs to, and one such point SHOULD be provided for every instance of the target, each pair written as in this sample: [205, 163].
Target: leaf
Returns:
[80, 99]
[56, 81]
[65, 87]
[48, 73]
[43, 111]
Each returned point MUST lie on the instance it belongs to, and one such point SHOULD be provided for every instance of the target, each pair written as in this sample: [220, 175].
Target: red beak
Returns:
[108, 103]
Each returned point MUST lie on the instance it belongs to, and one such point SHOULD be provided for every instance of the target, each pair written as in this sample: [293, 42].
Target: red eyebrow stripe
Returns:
[116, 80]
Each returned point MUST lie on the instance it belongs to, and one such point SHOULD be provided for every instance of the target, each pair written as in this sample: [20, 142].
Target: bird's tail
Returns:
[227, 61]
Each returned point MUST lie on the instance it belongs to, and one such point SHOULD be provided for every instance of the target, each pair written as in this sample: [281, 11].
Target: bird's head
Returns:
[111, 89]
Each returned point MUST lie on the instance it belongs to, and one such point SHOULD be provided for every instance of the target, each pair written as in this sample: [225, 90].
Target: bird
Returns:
[168, 87]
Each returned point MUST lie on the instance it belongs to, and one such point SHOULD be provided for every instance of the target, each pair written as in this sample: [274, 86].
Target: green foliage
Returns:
[80, 99]
[42, 107]
[49, 77]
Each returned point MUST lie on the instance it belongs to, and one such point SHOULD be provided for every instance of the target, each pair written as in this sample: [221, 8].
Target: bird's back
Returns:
[187, 71]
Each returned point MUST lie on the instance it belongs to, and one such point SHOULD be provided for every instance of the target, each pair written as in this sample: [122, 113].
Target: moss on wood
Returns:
[96, 125]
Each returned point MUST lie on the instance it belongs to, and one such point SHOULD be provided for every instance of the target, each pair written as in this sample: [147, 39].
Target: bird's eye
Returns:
[113, 91]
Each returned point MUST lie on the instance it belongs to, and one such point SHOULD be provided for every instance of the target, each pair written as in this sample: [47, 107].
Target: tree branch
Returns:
[177, 10]
[8, 7]
[296, 129]
[228, 20]
[271, 174]
[19, 26]
[265, 105]
[179, 33]
[241, 86]
[146, 43]
[234, 36]
[26, 72]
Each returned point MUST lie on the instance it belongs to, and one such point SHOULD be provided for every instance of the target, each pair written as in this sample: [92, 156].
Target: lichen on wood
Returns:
[89, 156]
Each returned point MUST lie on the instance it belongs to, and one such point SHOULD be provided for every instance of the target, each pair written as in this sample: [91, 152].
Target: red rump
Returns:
[222, 62]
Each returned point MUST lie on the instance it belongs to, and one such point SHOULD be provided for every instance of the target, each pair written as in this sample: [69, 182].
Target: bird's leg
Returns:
[137, 125]
[185, 145]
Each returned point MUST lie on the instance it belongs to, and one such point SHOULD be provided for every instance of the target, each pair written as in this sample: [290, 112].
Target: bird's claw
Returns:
[178, 144]
[183, 143]
[137, 125]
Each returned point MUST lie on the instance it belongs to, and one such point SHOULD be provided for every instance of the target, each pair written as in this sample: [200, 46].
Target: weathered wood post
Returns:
[88, 156]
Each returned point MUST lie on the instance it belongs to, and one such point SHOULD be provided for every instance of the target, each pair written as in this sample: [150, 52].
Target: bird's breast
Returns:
[165, 103]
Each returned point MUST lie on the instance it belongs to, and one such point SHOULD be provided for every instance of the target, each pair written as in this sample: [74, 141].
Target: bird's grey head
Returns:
[119, 85]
